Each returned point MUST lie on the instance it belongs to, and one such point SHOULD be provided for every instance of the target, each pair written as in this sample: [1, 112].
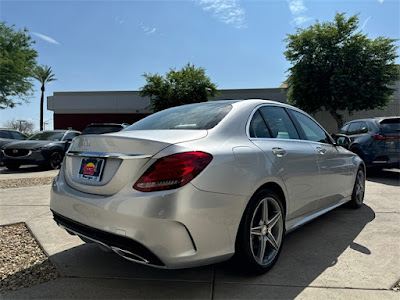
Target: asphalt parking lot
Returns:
[343, 254]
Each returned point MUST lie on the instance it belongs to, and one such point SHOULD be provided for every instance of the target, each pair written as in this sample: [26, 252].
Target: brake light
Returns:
[386, 137]
[173, 171]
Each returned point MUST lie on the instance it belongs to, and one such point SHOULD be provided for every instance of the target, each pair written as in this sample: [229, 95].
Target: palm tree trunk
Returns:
[41, 108]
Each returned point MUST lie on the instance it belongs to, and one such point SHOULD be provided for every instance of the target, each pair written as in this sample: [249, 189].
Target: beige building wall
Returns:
[129, 102]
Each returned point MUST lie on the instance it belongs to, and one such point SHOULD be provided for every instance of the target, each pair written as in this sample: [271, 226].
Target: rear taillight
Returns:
[173, 171]
[385, 137]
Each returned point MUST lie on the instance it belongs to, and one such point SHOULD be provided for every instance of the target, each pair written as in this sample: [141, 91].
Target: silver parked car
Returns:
[200, 183]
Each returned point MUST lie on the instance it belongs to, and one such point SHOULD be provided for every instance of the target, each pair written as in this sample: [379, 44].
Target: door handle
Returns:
[321, 150]
[279, 152]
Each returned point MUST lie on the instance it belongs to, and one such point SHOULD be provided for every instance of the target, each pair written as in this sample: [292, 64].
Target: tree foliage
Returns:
[17, 61]
[43, 74]
[188, 85]
[338, 68]
[23, 126]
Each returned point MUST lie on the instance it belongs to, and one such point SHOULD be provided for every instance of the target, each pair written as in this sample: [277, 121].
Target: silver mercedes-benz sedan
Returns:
[201, 183]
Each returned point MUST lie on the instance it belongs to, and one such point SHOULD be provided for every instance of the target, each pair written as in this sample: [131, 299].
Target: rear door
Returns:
[335, 163]
[273, 131]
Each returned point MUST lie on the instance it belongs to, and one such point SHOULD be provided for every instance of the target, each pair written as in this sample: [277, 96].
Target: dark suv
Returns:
[8, 135]
[375, 140]
[100, 128]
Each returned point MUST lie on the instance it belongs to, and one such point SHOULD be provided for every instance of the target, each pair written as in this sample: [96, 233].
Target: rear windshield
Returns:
[390, 126]
[193, 116]
[101, 129]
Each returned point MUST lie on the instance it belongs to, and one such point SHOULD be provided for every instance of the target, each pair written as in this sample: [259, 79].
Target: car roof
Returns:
[378, 119]
[104, 124]
[9, 129]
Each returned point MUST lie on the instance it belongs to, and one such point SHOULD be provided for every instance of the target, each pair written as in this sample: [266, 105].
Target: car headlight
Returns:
[39, 148]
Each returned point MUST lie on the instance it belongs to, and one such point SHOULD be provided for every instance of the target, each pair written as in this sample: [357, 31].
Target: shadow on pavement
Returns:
[23, 169]
[307, 253]
[385, 176]
[87, 271]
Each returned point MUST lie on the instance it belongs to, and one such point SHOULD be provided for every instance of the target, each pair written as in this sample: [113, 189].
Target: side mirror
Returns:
[342, 140]
[68, 140]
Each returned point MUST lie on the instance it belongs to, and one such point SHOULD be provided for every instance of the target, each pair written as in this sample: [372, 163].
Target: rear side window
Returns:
[354, 128]
[193, 116]
[390, 126]
[258, 128]
[311, 129]
[279, 122]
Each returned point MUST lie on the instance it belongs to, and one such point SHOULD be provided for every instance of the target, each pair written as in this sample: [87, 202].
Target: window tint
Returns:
[344, 128]
[101, 129]
[194, 116]
[4, 134]
[279, 122]
[354, 128]
[258, 129]
[47, 136]
[311, 129]
[18, 136]
[390, 126]
[70, 135]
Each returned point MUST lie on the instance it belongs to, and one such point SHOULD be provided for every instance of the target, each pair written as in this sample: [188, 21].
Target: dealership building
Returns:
[77, 109]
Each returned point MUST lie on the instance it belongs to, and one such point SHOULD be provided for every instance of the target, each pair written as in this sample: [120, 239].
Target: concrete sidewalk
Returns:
[343, 254]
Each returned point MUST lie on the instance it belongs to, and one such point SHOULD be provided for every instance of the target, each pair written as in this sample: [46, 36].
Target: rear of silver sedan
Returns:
[136, 208]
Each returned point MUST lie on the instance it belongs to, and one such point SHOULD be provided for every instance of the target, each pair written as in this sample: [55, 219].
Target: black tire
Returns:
[357, 197]
[55, 160]
[12, 167]
[249, 243]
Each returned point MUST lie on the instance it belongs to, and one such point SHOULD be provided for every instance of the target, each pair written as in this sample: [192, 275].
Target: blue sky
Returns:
[107, 45]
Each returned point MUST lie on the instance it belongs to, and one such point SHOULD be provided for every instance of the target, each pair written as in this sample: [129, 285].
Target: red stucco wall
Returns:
[79, 121]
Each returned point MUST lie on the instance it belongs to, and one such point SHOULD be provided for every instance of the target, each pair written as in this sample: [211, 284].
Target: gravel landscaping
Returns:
[25, 182]
[22, 261]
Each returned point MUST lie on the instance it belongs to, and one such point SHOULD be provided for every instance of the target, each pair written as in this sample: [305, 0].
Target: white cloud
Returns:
[146, 29]
[119, 20]
[46, 38]
[297, 7]
[226, 11]
[298, 10]
[381, 1]
[300, 20]
[365, 22]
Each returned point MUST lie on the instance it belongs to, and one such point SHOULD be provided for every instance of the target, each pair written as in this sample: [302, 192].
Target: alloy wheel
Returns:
[266, 231]
[360, 187]
[55, 160]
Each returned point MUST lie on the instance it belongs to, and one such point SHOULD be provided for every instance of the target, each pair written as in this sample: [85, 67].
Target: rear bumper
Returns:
[183, 228]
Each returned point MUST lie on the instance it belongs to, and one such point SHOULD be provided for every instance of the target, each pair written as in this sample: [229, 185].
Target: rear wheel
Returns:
[357, 198]
[260, 235]
[12, 167]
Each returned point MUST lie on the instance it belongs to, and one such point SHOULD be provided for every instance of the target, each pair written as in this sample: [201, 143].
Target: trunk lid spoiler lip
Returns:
[107, 154]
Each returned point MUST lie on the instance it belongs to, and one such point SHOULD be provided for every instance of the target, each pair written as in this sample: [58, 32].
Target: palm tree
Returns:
[44, 75]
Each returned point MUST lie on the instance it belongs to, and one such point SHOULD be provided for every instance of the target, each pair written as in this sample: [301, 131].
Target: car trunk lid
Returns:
[104, 164]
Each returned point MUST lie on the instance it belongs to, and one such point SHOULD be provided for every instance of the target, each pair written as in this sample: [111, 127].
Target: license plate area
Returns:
[91, 168]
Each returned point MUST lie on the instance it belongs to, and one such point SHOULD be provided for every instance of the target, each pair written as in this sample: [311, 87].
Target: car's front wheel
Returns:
[261, 232]
[55, 160]
[357, 197]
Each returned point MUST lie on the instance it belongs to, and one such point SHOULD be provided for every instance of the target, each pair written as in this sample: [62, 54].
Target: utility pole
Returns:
[20, 124]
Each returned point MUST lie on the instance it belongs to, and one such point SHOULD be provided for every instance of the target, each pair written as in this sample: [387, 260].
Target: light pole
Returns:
[45, 123]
